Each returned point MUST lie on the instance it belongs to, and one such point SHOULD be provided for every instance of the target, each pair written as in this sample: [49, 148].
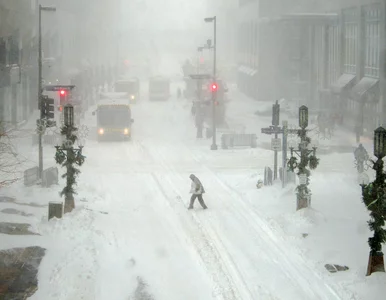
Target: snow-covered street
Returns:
[131, 234]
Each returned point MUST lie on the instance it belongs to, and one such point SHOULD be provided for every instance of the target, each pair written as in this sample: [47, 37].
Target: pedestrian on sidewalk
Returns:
[197, 189]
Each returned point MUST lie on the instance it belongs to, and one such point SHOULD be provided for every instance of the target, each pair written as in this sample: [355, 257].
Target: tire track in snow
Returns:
[224, 288]
[212, 253]
[261, 228]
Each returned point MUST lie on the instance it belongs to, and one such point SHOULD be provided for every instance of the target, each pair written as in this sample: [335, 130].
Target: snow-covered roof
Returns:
[127, 80]
[113, 95]
[104, 102]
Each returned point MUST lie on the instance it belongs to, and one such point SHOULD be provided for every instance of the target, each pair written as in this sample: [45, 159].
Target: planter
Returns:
[302, 202]
[376, 263]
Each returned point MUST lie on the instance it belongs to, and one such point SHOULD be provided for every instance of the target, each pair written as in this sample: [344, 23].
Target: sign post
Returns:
[285, 134]
[277, 144]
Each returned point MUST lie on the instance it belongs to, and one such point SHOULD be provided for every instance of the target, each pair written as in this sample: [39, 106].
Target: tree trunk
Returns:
[376, 263]
[55, 210]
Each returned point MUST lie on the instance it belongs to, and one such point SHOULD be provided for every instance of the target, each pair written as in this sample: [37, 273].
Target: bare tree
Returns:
[10, 161]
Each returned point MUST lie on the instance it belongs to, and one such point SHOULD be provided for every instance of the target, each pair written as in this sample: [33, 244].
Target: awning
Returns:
[311, 18]
[344, 81]
[365, 87]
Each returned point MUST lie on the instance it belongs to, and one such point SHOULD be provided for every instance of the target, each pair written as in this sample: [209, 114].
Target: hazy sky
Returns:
[166, 14]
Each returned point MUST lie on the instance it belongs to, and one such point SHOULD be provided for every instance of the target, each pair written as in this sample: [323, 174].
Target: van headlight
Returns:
[132, 97]
[101, 131]
[126, 131]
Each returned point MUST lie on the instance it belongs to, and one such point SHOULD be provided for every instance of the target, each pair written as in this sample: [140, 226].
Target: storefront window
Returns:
[372, 16]
[350, 40]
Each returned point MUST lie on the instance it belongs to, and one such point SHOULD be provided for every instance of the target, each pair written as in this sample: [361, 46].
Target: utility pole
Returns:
[40, 89]
[40, 92]
[214, 93]
[284, 151]
[275, 123]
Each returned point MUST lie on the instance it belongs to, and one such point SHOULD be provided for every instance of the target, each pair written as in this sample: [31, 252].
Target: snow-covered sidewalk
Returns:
[132, 237]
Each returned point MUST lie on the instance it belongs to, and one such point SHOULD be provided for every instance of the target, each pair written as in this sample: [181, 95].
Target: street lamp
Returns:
[307, 153]
[69, 115]
[303, 117]
[40, 85]
[380, 142]
[214, 94]
[373, 194]
[69, 156]
[199, 50]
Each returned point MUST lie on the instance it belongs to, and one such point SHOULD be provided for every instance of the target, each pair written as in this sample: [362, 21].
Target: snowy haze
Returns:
[131, 235]
[165, 14]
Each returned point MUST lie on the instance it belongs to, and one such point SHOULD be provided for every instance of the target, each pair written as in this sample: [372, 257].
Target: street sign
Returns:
[272, 130]
[200, 76]
[302, 179]
[276, 144]
[55, 88]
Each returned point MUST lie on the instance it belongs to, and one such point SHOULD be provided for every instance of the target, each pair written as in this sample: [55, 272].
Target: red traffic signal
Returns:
[62, 92]
[214, 87]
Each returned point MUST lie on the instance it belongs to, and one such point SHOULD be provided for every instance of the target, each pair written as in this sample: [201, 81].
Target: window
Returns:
[251, 42]
[350, 17]
[372, 16]
[256, 45]
[3, 52]
[333, 53]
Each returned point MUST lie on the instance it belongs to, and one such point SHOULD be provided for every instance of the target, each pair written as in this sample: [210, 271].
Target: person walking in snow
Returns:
[197, 189]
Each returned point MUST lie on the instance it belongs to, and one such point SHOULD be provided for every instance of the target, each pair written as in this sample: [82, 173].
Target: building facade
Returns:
[79, 46]
[18, 61]
[329, 56]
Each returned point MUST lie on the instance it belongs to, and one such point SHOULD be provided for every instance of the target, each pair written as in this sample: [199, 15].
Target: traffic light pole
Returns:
[214, 94]
[40, 92]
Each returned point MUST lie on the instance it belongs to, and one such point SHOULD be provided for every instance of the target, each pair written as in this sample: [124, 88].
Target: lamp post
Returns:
[307, 159]
[199, 50]
[66, 155]
[214, 93]
[40, 86]
[374, 198]
[199, 83]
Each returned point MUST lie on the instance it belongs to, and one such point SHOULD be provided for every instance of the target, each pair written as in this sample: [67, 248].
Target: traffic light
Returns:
[275, 114]
[62, 95]
[47, 108]
[214, 87]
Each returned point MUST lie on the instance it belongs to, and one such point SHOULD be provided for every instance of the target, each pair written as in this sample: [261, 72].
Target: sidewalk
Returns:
[241, 112]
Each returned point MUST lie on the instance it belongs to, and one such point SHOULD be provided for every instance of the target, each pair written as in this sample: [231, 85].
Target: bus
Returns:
[113, 121]
[130, 87]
